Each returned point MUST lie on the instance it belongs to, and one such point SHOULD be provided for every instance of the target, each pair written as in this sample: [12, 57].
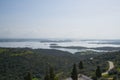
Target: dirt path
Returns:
[111, 66]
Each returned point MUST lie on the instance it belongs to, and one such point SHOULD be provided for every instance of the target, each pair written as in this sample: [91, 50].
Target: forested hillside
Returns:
[15, 63]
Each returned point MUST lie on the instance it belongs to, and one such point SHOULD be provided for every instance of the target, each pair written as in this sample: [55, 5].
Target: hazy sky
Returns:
[98, 19]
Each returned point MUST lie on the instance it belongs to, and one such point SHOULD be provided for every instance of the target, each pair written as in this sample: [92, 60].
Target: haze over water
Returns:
[45, 44]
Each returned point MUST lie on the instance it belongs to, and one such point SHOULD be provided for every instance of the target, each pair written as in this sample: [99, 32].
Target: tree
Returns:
[80, 65]
[47, 76]
[28, 76]
[51, 73]
[74, 75]
[98, 72]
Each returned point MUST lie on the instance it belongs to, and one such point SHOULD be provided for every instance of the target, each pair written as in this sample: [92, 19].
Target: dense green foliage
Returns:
[74, 74]
[28, 76]
[47, 76]
[15, 63]
[98, 72]
[52, 74]
[80, 65]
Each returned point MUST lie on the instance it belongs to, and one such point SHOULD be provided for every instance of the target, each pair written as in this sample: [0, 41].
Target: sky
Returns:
[79, 19]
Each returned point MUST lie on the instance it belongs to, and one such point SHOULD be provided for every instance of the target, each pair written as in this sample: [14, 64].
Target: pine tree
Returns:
[81, 65]
[98, 72]
[47, 76]
[51, 73]
[74, 75]
[28, 76]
